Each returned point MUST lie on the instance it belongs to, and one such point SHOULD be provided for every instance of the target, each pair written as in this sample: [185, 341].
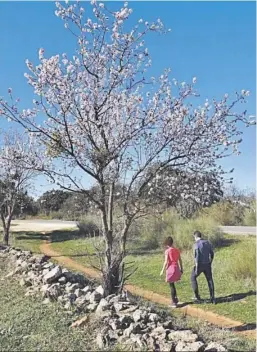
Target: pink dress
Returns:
[173, 273]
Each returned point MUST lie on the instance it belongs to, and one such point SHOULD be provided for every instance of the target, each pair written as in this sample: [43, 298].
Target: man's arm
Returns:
[211, 253]
[196, 255]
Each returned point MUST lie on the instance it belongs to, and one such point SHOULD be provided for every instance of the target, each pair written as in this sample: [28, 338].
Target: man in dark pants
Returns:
[204, 255]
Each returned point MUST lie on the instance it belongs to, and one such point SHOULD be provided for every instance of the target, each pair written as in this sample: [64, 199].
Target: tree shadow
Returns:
[184, 304]
[227, 242]
[74, 255]
[62, 235]
[53, 236]
[244, 327]
[226, 299]
[30, 236]
[235, 297]
[144, 251]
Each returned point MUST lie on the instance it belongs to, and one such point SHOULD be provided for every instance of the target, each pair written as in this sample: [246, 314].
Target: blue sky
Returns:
[214, 41]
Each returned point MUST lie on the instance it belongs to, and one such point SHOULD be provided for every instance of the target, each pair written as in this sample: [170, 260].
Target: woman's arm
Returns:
[165, 264]
[180, 264]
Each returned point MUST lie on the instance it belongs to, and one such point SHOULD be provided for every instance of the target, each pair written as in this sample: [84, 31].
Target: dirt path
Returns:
[213, 318]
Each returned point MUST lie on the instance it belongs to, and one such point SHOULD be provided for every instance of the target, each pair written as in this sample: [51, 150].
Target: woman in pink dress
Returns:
[174, 268]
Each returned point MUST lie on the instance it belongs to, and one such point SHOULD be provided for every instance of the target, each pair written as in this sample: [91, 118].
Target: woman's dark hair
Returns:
[168, 241]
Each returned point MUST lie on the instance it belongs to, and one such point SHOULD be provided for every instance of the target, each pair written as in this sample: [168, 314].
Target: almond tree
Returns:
[18, 158]
[107, 119]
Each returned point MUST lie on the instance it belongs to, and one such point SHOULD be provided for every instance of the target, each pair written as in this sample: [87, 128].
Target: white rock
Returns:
[100, 290]
[88, 295]
[62, 280]
[182, 335]
[53, 275]
[137, 315]
[101, 341]
[95, 297]
[189, 347]
[102, 307]
[215, 347]
[81, 301]
[127, 332]
[46, 301]
[87, 289]
[78, 292]
[154, 317]
[91, 307]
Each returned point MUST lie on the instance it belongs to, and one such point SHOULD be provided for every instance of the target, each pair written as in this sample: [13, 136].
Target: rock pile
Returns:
[123, 322]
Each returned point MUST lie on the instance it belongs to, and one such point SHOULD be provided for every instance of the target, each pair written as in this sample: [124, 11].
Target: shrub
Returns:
[250, 215]
[88, 229]
[242, 265]
[147, 233]
[225, 213]
[182, 230]
[153, 230]
[89, 225]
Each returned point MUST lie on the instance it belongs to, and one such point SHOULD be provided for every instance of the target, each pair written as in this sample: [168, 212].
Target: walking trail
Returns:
[213, 318]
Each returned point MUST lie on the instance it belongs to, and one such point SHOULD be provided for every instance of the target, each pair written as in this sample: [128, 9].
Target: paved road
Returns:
[41, 225]
[239, 230]
[48, 225]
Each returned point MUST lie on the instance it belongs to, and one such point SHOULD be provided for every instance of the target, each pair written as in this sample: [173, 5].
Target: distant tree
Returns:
[52, 200]
[18, 158]
[243, 197]
[25, 205]
[75, 206]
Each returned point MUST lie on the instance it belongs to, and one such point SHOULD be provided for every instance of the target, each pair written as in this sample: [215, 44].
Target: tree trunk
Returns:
[6, 235]
[6, 227]
[112, 278]
[113, 275]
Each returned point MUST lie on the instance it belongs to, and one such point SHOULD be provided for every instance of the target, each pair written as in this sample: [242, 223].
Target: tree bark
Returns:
[6, 236]
[112, 277]
[6, 227]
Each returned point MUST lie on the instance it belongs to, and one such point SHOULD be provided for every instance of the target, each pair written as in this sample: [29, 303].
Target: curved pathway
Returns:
[211, 317]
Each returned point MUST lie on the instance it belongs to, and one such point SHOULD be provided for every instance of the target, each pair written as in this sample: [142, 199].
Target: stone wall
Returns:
[122, 322]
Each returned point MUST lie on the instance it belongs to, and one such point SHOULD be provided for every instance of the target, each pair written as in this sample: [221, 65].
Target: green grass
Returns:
[28, 325]
[242, 308]
[236, 292]
[28, 240]
[237, 296]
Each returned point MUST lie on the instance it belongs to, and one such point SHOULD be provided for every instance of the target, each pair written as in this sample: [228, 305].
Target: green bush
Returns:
[250, 215]
[225, 213]
[242, 265]
[88, 229]
[147, 233]
[182, 230]
[153, 230]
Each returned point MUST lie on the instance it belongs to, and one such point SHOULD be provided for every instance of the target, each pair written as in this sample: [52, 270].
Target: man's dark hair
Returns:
[168, 241]
[198, 234]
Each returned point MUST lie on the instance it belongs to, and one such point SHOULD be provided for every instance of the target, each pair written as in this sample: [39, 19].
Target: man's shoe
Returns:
[196, 299]
[213, 300]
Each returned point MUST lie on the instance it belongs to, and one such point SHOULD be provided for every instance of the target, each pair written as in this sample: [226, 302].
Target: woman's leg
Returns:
[173, 292]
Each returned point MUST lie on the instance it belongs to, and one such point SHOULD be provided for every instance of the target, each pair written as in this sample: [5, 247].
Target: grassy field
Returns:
[28, 325]
[235, 290]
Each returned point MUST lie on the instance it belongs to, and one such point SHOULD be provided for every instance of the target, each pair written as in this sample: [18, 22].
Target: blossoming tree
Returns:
[105, 118]
[18, 161]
